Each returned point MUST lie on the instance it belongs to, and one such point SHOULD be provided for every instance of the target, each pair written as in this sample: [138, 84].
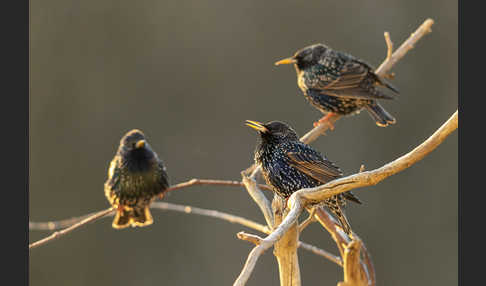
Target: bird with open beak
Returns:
[135, 178]
[338, 83]
[289, 165]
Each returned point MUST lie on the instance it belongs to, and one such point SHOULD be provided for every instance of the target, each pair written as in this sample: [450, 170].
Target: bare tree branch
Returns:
[382, 70]
[312, 135]
[268, 242]
[211, 213]
[319, 130]
[333, 228]
[349, 249]
[310, 219]
[285, 248]
[255, 239]
[373, 177]
[353, 274]
[409, 44]
[304, 197]
[342, 239]
[58, 234]
[259, 198]
[370, 268]
[54, 225]
[320, 252]
[193, 182]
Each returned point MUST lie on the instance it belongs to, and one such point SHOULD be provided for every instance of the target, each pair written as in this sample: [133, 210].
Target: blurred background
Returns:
[188, 73]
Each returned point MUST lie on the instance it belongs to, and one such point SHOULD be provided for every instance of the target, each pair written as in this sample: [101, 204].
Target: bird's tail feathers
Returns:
[132, 217]
[341, 216]
[380, 115]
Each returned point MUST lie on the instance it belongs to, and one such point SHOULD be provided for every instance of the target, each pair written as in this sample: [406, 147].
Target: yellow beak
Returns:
[140, 144]
[286, 61]
[256, 125]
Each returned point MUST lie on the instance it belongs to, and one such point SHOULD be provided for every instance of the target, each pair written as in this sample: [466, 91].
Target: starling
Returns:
[289, 165]
[338, 83]
[135, 178]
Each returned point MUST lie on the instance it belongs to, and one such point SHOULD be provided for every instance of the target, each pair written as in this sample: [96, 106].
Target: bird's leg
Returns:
[325, 119]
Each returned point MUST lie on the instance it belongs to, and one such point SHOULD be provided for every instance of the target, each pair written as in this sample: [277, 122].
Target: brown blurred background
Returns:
[188, 73]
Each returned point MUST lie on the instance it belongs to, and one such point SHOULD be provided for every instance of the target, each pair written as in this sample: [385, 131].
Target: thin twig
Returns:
[318, 251]
[423, 30]
[211, 213]
[242, 221]
[310, 219]
[333, 228]
[361, 168]
[262, 202]
[389, 45]
[369, 267]
[56, 225]
[253, 238]
[389, 52]
[58, 234]
[193, 182]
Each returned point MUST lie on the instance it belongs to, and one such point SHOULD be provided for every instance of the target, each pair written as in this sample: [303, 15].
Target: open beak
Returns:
[140, 144]
[286, 61]
[256, 125]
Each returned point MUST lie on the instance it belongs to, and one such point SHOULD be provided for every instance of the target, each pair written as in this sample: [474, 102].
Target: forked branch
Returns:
[305, 197]
[309, 137]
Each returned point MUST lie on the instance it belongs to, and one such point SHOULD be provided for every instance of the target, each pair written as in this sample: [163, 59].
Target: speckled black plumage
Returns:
[336, 82]
[135, 178]
[289, 165]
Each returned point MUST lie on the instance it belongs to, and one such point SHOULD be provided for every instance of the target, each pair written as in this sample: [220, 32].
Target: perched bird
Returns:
[289, 165]
[135, 178]
[338, 83]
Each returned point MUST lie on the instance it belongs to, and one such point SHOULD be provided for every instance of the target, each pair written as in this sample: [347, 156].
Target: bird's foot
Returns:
[325, 120]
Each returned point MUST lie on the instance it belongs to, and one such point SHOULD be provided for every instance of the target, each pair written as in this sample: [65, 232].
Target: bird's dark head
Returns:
[135, 150]
[273, 131]
[305, 57]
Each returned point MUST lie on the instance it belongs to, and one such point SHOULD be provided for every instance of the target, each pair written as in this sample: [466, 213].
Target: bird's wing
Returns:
[164, 180]
[351, 197]
[319, 168]
[380, 80]
[351, 81]
[111, 184]
[351, 74]
[314, 166]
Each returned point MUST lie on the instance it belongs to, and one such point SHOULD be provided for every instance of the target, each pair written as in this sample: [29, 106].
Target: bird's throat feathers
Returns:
[139, 160]
[267, 144]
